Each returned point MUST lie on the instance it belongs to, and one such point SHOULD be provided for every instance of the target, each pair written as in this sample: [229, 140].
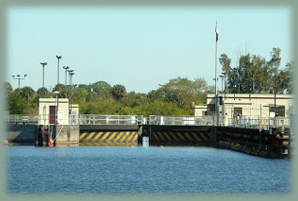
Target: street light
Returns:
[65, 67]
[222, 77]
[275, 80]
[234, 80]
[43, 64]
[56, 107]
[58, 57]
[71, 73]
[224, 74]
[19, 78]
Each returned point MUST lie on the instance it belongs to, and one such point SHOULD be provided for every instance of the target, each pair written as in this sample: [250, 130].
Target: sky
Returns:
[138, 47]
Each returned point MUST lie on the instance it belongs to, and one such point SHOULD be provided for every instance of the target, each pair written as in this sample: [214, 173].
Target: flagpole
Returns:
[216, 61]
[216, 94]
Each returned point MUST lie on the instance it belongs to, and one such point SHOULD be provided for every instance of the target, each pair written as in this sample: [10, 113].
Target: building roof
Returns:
[258, 96]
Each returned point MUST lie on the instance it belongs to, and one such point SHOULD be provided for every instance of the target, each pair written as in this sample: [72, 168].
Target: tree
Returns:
[285, 79]
[60, 88]
[156, 94]
[118, 92]
[28, 94]
[102, 88]
[80, 95]
[183, 91]
[255, 74]
[9, 89]
[16, 104]
[43, 92]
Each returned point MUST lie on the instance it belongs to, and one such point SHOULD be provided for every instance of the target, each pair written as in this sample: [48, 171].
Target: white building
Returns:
[49, 108]
[253, 106]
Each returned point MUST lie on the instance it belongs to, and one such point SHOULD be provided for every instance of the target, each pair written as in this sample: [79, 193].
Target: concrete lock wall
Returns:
[109, 135]
[67, 135]
[21, 134]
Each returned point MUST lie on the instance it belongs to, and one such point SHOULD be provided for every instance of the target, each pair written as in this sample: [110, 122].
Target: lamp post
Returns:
[275, 81]
[65, 67]
[72, 93]
[43, 64]
[216, 112]
[234, 80]
[58, 57]
[71, 73]
[19, 78]
[56, 106]
[224, 75]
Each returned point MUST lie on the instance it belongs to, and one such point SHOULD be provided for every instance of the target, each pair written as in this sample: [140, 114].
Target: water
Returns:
[139, 170]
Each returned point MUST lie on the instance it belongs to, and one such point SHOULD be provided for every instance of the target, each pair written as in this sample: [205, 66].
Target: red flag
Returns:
[216, 31]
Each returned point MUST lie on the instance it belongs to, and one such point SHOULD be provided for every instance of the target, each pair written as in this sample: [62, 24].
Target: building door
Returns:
[52, 115]
[237, 111]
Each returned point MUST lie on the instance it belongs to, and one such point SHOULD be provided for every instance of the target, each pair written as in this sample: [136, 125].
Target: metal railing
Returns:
[97, 119]
[264, 123]
[181, 120]
[22, 119]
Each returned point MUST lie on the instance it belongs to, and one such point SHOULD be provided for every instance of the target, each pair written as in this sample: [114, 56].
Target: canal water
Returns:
[139, 170]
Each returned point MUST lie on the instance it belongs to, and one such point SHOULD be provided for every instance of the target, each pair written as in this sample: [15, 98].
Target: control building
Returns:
[247, 106]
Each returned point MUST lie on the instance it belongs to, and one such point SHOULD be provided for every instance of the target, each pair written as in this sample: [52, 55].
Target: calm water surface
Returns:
[138, 170]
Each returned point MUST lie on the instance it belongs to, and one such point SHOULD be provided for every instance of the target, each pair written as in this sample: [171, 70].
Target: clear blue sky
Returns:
[138, 47]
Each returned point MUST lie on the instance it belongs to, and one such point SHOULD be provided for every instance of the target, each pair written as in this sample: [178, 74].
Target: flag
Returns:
[216, 31]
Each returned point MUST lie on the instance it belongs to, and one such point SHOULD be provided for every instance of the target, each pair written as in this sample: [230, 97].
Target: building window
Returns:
[279, 110]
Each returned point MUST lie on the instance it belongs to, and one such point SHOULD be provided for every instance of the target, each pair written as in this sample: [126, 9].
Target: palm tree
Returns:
[27, 92]
[118, 91]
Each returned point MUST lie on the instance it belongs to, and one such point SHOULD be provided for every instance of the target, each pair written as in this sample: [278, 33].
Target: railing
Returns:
[181, 120]
[264, 123]
[96, 119]
[22, 119]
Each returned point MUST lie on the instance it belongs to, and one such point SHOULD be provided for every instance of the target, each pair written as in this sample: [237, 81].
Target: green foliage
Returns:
[118, 91]
[256, 75]
[16, 104]
[43, 92]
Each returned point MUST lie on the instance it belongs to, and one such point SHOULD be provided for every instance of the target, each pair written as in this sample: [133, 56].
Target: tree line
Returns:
[252, 75]
[172, 98]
